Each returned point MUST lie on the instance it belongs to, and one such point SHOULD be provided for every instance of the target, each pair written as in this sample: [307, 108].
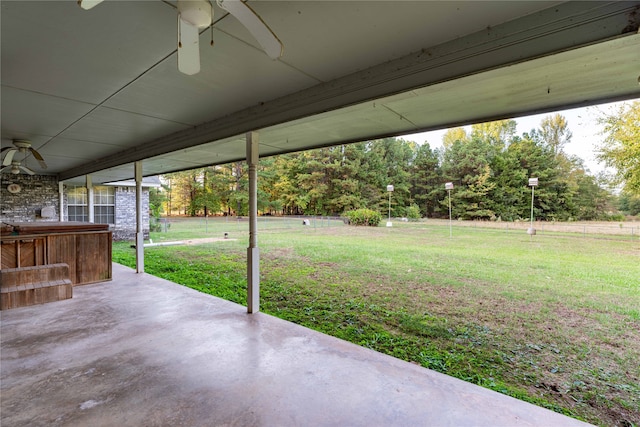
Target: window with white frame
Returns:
[104, 205]
[77, 209]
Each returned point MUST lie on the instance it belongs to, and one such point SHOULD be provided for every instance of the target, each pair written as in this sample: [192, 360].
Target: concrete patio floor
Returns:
[142, 351]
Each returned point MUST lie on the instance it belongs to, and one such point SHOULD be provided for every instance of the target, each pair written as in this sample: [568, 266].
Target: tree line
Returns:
[489, 167]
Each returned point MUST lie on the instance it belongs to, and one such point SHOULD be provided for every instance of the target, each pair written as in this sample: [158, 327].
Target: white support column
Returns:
[139, 229]
[253, 252]
[61, 201]
[90, 197]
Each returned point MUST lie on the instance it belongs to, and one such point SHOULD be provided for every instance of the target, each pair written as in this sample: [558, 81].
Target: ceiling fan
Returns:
[20, 146]
[194, 15]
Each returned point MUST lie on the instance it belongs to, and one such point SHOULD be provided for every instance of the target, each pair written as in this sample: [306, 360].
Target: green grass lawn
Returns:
[553, 320]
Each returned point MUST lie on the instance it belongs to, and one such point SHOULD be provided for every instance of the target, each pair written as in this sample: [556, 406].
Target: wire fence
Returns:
[180, 227]
[210, 226]
[609, 230]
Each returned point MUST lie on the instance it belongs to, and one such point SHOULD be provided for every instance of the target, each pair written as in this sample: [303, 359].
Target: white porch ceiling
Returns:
[97, 90]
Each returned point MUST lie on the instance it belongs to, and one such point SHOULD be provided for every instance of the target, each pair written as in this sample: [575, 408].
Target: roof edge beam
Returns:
[560, 28]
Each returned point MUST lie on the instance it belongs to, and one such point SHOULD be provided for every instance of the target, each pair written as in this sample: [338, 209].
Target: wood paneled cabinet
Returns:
[86, 248]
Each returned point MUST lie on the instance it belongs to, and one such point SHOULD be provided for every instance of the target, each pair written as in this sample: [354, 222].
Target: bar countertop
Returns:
[50, 227]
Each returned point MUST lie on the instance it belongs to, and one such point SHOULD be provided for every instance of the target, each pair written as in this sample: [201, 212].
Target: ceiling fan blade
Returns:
[38, 157]
[256, 26]
[6, 167]
[188, 48]
[89, 4]
[27, 170]
[9, 157]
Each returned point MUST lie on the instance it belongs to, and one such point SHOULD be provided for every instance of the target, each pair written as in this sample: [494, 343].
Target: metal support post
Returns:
[390, 190]
[533, 182]
[139, 230]
[450, 225]
[533, 190]
[89, 185]
[61, 200]
[449, 186]
[253, 252]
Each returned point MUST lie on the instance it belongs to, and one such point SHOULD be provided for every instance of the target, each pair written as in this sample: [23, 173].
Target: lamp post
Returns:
[449, 186]
[390, 190]
[533, 183]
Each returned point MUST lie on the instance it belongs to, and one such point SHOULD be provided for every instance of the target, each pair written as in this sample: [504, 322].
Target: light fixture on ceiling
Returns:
[15, 167]
[196, 12]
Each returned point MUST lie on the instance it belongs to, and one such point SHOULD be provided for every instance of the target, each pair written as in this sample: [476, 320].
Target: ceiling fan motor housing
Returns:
[21, 143]
[196, 12]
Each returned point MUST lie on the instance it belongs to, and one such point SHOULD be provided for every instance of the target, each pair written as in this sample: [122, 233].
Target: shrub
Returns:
[614, 217]
[154, 225]
[364, 217]
[157, 225]
[413, 212]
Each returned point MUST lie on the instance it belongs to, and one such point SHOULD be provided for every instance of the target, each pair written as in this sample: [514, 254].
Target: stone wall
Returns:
[125, 213]
[37, 192]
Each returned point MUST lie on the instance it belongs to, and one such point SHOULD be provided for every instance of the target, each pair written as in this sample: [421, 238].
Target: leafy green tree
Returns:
[238, 195]
[398, 157]
[554, 131]
[509, 196]
[539, 160]
[372, 175]
[452, 135]
[621, 146]
[591, 200]
[629, 203]
[184, 189]
[269, 200]
[314, 180]
[427, 183]
[208, 200]
[157, 199]
[286, 187]
[467, 164]
[498, 133]
[344, 186]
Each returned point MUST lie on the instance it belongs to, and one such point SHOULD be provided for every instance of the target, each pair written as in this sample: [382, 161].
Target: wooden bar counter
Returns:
[85, 247]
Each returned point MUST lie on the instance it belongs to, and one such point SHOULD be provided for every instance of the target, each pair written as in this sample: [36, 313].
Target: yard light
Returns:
[533, 183]
[390, 190]
[449, 186]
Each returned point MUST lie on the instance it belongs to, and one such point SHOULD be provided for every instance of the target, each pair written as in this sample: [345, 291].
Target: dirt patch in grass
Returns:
[278, 253]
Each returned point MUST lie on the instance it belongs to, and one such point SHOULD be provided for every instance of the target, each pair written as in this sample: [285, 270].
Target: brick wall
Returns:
[38, 191]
